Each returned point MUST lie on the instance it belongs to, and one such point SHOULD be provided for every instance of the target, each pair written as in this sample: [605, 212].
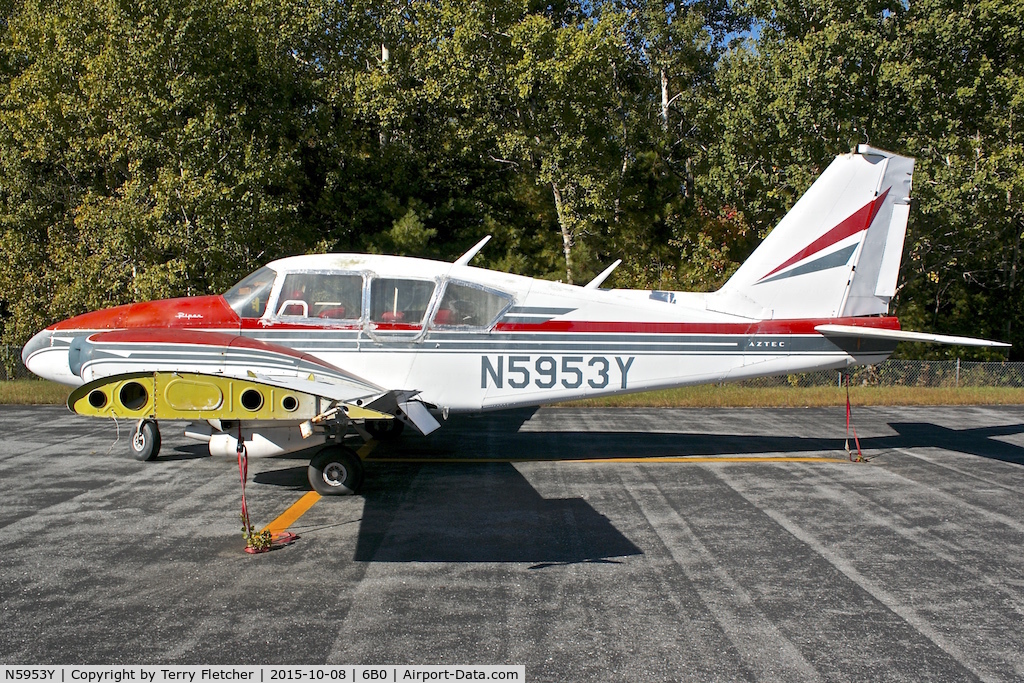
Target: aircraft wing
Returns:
[856, 332]
[107, 354]
[187, 374]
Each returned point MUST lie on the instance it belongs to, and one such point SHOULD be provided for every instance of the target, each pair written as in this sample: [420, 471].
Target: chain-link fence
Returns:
[907, 373]
[11, 366]
[910, 373]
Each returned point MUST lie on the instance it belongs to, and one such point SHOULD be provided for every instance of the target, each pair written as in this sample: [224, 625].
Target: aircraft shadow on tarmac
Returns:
[450, 511]
[192, 451]
[500, 440]
[542, 446]
[470, 513]
[978, 442]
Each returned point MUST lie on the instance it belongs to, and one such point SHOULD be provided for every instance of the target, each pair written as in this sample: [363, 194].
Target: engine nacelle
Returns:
[267, 441]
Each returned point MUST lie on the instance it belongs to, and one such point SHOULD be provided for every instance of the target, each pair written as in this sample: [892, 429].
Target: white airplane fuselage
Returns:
[332, 340]
[548, 341]
[557, 342]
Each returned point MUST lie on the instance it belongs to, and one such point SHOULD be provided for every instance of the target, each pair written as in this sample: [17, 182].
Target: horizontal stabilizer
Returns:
[901, 335]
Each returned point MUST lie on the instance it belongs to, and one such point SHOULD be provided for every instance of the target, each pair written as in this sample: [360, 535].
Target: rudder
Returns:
[837, 252]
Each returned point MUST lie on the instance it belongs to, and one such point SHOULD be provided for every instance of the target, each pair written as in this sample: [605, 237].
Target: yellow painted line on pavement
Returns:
[292, 514]
[691, 459]
[736, 459]
[676, 459]
[366, 449]
[302, 505]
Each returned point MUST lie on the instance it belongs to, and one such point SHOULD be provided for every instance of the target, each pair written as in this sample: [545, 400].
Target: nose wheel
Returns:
[146, 440]
[335, 471]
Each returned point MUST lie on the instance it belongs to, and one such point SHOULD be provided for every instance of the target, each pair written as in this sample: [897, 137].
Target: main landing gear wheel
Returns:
[146, 440]
[335, 471]
[384, 430]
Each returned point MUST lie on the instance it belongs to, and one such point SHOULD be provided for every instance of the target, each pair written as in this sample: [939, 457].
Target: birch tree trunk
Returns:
[563, 224]
[664, 100]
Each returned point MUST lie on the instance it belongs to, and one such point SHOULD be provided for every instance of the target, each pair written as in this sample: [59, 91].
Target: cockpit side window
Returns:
[249, 297]
[465, 306]
[321, 296]
[399, 301]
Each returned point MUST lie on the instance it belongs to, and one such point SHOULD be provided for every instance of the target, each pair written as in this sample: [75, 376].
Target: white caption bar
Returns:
[260, 674]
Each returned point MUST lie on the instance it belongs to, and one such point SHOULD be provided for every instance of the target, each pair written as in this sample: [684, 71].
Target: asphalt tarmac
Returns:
[585, 544]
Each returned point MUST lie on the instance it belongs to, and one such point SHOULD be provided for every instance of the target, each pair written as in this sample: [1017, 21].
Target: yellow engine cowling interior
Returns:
[189, 396]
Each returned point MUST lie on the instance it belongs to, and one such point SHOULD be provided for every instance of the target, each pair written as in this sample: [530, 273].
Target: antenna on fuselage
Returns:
[596, 282]
[468, 256]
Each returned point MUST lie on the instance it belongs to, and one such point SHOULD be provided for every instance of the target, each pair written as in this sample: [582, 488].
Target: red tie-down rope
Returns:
[256, 541]
[849, 427]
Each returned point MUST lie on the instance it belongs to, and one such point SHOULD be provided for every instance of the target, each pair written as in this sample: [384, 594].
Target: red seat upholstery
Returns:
[393, 317]
[336, 312]
[445, 316]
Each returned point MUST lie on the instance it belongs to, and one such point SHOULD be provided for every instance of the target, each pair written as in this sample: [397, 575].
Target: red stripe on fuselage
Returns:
[158, 321]
[804, 326]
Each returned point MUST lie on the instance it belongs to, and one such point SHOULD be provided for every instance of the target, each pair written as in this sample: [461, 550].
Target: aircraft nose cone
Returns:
[47, 357]
[40, 341]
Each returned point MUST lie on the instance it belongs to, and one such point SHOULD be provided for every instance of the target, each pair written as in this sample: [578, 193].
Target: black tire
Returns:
[335, 471]
[145, 442]
[385, 430]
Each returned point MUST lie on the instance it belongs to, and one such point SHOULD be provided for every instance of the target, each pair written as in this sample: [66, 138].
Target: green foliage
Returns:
[146, 151]
[938, 80]
[407, 236]
[258, 541]
[157, 148]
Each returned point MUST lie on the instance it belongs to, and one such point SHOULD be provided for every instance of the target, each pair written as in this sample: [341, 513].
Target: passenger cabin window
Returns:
[464, 306]
[249, 297]
[321, 296]
[399, 302]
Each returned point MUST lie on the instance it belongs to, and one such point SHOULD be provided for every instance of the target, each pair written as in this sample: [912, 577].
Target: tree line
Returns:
[155, 148]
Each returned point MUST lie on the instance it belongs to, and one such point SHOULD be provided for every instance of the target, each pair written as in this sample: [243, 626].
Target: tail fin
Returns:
[837, 252]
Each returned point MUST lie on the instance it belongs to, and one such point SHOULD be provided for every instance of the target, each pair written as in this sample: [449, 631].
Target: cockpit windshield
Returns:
[249, 297]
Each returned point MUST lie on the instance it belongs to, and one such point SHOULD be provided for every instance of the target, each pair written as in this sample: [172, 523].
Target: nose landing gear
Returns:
[146, 440]
[335, 471]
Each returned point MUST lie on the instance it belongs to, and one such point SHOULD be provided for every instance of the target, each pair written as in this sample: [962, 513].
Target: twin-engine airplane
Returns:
[304, 349]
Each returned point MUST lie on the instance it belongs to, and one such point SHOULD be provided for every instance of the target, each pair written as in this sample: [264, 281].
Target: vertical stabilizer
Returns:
[837, 252]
